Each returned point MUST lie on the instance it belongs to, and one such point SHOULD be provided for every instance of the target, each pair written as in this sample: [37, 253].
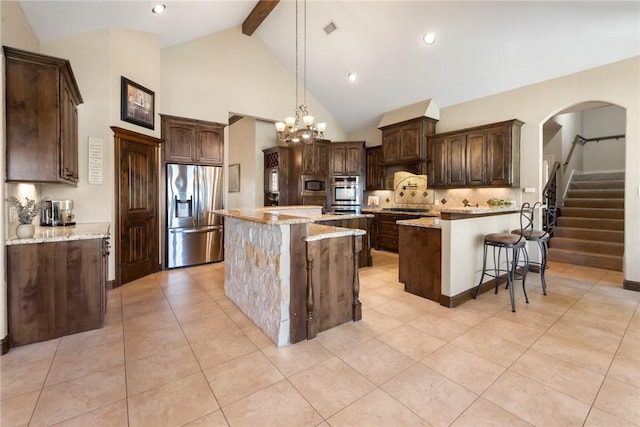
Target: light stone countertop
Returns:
[81, 231]
[479, 210]
[333, 217]
[263, 217]
[279, 215]
[421, 222]
[320, 232]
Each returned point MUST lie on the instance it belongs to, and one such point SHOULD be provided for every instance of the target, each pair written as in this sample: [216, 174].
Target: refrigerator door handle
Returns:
[197, 230]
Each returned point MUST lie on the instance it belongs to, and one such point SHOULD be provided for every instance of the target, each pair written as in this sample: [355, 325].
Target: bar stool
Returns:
[540, 237]
[512, 244]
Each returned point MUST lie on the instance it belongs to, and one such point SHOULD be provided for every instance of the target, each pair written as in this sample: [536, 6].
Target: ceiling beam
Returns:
[258, 15]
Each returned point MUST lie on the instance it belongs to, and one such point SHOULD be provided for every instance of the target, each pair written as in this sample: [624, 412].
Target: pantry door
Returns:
[136, 201]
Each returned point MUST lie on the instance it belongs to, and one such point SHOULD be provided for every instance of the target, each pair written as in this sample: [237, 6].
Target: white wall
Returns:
[242, 136]
[16, 30]
[607, 155]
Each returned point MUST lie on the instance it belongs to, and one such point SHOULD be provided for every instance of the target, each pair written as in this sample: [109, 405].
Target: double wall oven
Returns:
[346, 194]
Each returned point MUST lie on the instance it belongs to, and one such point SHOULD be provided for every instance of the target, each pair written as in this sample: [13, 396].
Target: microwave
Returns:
[314, 185]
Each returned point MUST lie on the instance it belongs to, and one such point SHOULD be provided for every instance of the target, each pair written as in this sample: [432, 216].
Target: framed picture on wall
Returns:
[137, 104]
[234, 178]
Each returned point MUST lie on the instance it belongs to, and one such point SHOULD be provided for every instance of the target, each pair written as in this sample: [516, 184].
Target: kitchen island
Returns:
[291, 277]
[459, 252]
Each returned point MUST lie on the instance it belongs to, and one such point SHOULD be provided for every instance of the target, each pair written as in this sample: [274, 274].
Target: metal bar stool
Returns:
[512, 244]
[540, 237]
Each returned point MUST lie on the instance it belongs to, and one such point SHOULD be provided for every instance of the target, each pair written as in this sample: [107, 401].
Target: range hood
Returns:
[426, 108]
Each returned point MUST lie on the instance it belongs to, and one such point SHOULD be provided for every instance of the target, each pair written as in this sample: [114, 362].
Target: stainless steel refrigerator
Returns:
[194, 234]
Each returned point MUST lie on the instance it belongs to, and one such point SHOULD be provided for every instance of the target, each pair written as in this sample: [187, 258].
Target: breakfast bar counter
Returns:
[292, 277]
[449, 249]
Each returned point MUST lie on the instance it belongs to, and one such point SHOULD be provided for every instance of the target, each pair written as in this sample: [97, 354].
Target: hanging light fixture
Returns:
[292, 130]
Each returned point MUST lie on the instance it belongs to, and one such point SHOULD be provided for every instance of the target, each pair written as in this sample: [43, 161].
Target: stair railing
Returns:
[582, 140]
[549, 193]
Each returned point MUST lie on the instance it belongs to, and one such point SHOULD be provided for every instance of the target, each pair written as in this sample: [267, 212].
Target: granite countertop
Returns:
[81, 231]
[334, 217]
[480, 210]
[421, 222]
[320, 232]
[259, 215]
[399, 211]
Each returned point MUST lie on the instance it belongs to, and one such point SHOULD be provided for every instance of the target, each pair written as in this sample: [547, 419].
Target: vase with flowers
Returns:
[26, 213]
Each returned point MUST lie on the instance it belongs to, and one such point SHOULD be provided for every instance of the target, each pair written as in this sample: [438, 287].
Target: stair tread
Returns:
[589, 229]
[571, 239]
[570, 251]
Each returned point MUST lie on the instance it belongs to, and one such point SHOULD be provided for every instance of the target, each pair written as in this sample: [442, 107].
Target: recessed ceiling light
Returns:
[159, 8]
[352, 77]
[429, 38]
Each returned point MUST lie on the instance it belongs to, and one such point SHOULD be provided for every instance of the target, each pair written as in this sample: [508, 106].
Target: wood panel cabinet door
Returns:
[179, 140]
[375, 172]
[391, 144]
[68, 134]
[338, 160]
[456, 161]
[499, 157]
[410, 142]
[210, 145]
[476, 159]
[315, 158]
[437, 168]
[419, 266]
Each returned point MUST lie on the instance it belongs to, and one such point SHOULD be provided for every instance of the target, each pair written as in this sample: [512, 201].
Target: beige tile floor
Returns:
[175, 352]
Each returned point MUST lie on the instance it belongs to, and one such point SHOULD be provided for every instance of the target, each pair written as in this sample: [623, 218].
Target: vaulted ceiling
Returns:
[481, 47]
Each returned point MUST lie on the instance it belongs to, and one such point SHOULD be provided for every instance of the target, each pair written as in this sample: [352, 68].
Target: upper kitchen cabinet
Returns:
[41, 118]
[375, 172]
[484, 156]
[314, 158]
[346, 158]
[407, 141]
[192, 141]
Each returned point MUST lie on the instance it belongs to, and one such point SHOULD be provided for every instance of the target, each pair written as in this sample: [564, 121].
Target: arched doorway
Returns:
[587, 140]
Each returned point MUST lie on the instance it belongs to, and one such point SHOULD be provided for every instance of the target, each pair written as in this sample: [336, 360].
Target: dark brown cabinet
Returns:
[484, 156]
[407, 141]
[419, 265]
[55, 289]
[364, 259]
[314, 158]
[41, 118]
[192, 141]
[375, 172]
[276, 176]
[388, 230]
[346, 158]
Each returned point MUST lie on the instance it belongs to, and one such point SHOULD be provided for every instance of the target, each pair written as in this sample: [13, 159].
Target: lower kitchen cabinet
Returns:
[365, 224]
[55, 289]
[419, 261]
[387, 230]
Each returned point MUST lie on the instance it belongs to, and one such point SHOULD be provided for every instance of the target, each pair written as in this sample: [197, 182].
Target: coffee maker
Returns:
[57, 213]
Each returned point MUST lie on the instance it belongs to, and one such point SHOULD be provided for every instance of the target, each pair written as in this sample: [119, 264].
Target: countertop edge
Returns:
[80, 231]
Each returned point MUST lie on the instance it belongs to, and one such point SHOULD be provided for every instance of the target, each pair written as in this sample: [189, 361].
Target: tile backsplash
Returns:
[412, 191]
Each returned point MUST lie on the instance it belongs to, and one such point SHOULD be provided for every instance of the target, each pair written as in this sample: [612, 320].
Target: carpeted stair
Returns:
[590, 227]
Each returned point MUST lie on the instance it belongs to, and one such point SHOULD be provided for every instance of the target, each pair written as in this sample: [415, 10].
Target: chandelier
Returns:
[300, 127]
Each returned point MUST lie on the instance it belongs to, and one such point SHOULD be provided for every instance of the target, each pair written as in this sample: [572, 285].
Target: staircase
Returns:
[590, 227]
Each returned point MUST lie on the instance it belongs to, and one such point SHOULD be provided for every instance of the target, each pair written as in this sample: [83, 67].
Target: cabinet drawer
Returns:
[390, 229]
[388, 242]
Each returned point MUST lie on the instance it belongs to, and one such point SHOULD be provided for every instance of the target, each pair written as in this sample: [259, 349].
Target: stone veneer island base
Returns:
[291, 277]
